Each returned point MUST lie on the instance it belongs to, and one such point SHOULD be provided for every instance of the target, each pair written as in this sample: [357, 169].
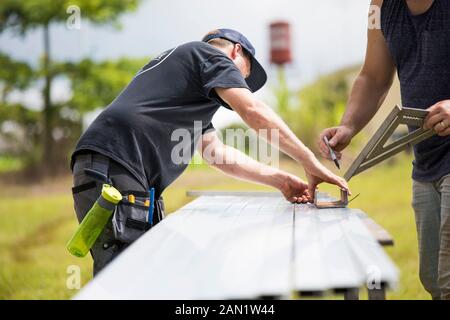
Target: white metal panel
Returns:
[214, 247]
[234, 247]
[323, 259]
[376, 266]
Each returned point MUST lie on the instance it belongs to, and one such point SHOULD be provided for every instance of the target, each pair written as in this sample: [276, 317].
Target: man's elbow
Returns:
[210, 149]
[252, 112]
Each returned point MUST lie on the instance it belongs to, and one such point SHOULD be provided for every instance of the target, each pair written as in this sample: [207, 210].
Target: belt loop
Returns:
[90, 160]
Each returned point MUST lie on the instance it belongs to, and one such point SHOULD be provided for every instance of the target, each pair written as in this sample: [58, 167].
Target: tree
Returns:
[96, 84]
[93, 85]
[16, 76]
[23, 16]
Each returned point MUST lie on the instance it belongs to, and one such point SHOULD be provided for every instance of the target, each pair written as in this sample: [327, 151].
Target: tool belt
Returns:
[131, 216]
[130, 219]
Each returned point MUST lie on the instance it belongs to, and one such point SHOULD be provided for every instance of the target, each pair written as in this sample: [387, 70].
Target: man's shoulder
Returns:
[196, 45]
[199, 49]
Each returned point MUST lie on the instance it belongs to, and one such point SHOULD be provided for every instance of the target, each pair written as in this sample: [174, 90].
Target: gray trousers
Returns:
[106, 248]
[431, 203]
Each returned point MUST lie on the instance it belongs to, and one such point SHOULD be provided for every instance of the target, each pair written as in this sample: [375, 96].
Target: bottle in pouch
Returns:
[94, 222]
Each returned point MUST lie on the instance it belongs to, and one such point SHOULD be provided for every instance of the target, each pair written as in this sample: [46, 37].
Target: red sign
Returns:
[280, 43]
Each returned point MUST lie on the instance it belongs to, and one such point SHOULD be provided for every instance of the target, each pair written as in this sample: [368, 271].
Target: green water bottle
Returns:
[94, 222]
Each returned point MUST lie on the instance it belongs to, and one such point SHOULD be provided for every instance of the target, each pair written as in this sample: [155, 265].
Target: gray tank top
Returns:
[420, 47]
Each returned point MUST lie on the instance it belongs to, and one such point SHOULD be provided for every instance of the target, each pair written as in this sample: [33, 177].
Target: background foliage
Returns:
[44, 137]
[316, 106]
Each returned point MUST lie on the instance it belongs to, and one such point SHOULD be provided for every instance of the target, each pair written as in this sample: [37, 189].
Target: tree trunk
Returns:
[47, 113]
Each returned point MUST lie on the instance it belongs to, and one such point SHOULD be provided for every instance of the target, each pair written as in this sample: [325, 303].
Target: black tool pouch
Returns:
[130, 220]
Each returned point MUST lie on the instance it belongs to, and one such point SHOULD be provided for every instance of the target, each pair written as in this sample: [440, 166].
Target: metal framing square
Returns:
[376, 149]
[331, 204]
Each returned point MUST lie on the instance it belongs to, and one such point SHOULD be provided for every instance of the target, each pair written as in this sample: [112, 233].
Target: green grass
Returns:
[36, 222]
[9, 163]
[33, 261]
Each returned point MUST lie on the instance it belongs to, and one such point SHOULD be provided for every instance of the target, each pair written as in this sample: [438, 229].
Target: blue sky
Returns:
[327, 34]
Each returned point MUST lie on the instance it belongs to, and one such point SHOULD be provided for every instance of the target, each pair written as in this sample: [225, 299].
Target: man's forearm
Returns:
[238, 165]
[365, 99]
[260, 116]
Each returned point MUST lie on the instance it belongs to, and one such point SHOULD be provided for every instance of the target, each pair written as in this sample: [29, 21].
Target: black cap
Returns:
[258, 76]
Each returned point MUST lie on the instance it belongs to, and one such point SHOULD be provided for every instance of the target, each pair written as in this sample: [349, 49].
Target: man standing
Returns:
[414, 40]
[130, 143]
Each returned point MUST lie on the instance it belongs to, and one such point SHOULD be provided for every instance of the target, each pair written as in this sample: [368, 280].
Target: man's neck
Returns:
[225, 51]
[419, 6]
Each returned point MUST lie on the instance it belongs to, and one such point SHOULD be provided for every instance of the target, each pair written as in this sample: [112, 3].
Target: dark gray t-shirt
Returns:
[153, 126]
[420, 47]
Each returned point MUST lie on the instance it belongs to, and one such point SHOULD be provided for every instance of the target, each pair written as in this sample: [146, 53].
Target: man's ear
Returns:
[236, 51]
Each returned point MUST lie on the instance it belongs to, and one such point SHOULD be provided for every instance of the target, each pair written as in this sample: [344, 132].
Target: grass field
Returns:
[36, 221]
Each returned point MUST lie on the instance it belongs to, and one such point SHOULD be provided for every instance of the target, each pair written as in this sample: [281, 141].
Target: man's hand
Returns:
[317, 173]
[438, 118]
[295, 190]
[339, 137]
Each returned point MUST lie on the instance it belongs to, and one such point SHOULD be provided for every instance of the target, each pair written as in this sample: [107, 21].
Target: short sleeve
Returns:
[218, 71]
[210, 127]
